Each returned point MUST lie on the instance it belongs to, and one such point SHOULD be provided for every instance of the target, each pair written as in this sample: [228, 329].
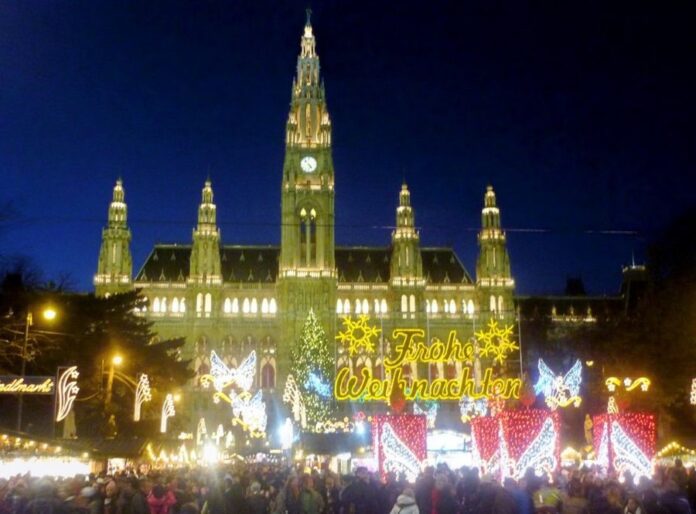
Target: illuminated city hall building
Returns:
[235, 298]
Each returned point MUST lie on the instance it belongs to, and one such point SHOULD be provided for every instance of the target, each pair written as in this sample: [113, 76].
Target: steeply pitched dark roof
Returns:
[170, 263]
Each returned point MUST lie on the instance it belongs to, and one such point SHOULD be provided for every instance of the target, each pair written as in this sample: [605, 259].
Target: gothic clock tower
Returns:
[307, 270]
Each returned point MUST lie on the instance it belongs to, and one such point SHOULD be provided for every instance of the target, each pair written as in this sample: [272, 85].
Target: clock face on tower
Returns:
[308, 164]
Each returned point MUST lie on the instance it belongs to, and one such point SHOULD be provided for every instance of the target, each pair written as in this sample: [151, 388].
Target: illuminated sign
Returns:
[12, 384]
[409, 344]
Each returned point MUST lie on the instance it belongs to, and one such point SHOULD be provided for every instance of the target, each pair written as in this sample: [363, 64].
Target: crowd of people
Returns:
[273, 489]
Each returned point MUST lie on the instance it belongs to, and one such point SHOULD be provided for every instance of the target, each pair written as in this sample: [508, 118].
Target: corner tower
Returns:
[307, 269]
[493, 278]
[115, 265]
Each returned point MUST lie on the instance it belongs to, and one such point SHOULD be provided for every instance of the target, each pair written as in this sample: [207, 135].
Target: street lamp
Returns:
[49, 314]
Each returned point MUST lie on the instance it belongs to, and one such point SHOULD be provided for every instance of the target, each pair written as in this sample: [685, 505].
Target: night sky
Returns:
[580, 114]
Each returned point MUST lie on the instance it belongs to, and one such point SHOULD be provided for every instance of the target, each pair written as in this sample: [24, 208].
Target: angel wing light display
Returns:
[559, 390]
[250, 412]
[627, 455]
[222, 376]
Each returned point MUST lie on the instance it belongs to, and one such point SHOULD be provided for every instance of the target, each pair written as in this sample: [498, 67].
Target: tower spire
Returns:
[115, 263]
[205, 254]
[493, 277]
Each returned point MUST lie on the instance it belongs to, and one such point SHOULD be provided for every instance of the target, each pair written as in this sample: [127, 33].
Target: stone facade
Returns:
[234, 298]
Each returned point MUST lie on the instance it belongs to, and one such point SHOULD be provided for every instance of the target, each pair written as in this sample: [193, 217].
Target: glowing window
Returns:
[452, 307]
[227, 306]
[235, 305]
[339, 306]
[199, 302]
[156, 305]
[264, 306]
[377, 311]
[272, 306]
[427, 306]
[358, 307]
[254, 306]
[365, 306]
[175, 305]
[346, 306]
[412, 303]
[182, 305]
[500, 304]
[384, 306]
[470, 307]
[404, 303]
[446, 306]
[208, 302]
[434, 307]
[492, 304]
[163, 305]
[245, 306]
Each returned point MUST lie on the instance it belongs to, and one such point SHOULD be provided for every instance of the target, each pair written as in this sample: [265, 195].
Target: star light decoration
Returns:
[358, 334]
[496, 341]
[67, 392]
[142, 395]
[559, 390]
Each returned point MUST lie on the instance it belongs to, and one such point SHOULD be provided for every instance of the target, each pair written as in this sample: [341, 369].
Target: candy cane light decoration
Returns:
[142, 395]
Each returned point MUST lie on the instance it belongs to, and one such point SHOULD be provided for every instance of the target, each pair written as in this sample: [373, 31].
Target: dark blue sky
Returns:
[581, 115]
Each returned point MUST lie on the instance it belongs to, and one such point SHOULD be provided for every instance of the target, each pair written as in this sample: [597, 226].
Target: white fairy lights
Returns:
[398, 457]
[66, 392]
[168, 411]
[142, 395]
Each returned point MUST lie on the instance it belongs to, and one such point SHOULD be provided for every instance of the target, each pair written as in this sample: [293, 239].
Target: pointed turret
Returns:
[493, 276]
[406, 275]
[406, 262]
[205, 254]
[309, 125]
[115, 263]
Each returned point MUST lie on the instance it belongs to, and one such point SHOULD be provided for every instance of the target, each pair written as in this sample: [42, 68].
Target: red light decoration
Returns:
[625, 442]
[512, 441]
[400, 443]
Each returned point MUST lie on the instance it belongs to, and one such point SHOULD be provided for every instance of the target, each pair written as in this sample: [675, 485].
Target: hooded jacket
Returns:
[405, 505]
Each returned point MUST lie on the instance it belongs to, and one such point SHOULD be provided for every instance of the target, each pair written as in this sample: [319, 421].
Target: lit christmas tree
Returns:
[312, 366]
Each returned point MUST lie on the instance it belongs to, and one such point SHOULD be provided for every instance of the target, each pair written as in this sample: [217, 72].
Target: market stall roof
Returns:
[23, 444]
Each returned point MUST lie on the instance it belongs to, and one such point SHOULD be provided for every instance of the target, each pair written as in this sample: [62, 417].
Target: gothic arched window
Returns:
[339, 306]
[272, 306]
[268, 376]
[235, 306]
[175, 305]
[492, 303]
[227, 306]
[199, 303]
[156, 305]
[365, 306]
[208, 303]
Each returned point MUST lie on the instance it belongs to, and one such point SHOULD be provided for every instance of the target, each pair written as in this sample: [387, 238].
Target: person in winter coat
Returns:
[160, 500]
[310, 499]
[405, 503]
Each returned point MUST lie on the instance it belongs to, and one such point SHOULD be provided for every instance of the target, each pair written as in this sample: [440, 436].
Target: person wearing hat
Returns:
[405, 503]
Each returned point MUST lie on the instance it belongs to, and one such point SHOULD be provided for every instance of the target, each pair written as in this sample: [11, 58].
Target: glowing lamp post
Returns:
[49, 314]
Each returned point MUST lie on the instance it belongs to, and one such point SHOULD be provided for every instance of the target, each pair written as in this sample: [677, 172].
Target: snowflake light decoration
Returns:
[496, 341]
[358, 334]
